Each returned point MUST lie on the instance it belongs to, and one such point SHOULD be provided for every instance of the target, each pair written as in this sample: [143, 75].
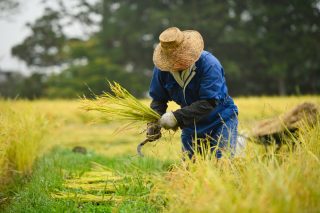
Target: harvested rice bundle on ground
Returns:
[287, 124]
[292, 120]
[121, 105]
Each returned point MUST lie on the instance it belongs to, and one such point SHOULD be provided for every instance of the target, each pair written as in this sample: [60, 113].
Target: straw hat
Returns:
[177, 49]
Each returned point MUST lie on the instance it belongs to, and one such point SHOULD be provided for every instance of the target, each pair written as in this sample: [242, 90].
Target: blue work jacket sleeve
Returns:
[212, 81]
[157, 91]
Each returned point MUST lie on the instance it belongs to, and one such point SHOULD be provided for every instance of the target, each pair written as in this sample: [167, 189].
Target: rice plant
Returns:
[260, 181]
[287, 181]
[121, 105]
[22, 133]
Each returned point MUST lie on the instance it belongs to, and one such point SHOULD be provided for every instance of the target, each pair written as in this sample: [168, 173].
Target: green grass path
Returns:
[53, 170]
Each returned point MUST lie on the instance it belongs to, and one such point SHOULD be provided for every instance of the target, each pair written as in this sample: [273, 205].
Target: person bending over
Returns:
[193, 78]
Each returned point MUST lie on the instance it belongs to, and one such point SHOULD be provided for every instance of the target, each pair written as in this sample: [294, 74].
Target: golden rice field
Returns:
[36, 138]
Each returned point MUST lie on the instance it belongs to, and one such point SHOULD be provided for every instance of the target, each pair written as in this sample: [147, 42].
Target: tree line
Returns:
[266, 47]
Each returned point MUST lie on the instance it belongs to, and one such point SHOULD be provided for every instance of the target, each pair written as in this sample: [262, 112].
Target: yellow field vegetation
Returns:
[260, 181]
[70, 125]
[22, 130]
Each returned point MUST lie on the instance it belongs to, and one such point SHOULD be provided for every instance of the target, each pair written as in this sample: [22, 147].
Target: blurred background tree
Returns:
[266, 47]
[8, 7]
[44, 47]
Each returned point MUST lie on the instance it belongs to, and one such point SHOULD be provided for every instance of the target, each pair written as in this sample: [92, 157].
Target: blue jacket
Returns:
[208, 82]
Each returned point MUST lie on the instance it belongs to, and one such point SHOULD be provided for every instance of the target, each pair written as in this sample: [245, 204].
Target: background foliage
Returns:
[266, 47]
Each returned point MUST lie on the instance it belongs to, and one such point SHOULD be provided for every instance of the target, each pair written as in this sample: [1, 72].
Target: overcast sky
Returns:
[13, 31]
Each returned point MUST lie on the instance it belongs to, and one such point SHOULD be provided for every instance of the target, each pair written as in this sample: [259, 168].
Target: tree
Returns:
[7, 7]
[284, 36]
[33, 86]
[265, 47]
[45, 46]
[9, 84]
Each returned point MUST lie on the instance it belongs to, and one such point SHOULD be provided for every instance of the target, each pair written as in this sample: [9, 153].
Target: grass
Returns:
[262, 181]
[48, 189]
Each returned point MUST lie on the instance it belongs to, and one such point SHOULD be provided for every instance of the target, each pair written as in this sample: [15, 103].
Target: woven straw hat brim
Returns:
[181, 57]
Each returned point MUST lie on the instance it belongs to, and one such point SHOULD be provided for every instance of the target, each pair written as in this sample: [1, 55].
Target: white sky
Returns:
[13, 31]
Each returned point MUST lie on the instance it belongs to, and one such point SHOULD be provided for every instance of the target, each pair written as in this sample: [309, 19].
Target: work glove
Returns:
[153, 131]
[168, 121]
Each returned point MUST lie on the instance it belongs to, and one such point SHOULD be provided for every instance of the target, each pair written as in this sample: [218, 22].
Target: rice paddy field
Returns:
[39, 172]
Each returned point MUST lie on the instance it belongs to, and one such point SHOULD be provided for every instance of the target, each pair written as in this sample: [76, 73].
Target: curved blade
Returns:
[139, 147]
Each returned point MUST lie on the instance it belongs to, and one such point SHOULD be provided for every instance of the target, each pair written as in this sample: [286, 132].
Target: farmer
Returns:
[194, 79]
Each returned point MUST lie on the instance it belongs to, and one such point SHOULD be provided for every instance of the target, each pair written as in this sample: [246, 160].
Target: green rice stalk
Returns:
[121, 105]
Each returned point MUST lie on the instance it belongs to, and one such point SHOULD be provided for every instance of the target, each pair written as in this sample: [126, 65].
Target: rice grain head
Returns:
[121, 105]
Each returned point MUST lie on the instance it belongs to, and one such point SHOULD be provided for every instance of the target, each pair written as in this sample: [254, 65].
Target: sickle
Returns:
[139, 147]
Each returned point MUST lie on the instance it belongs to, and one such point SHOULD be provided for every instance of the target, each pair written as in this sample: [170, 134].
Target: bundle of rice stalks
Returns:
[121, 105]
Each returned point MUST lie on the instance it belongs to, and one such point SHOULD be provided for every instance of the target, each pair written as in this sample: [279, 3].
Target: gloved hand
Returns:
[168, 121]
[153, 131]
